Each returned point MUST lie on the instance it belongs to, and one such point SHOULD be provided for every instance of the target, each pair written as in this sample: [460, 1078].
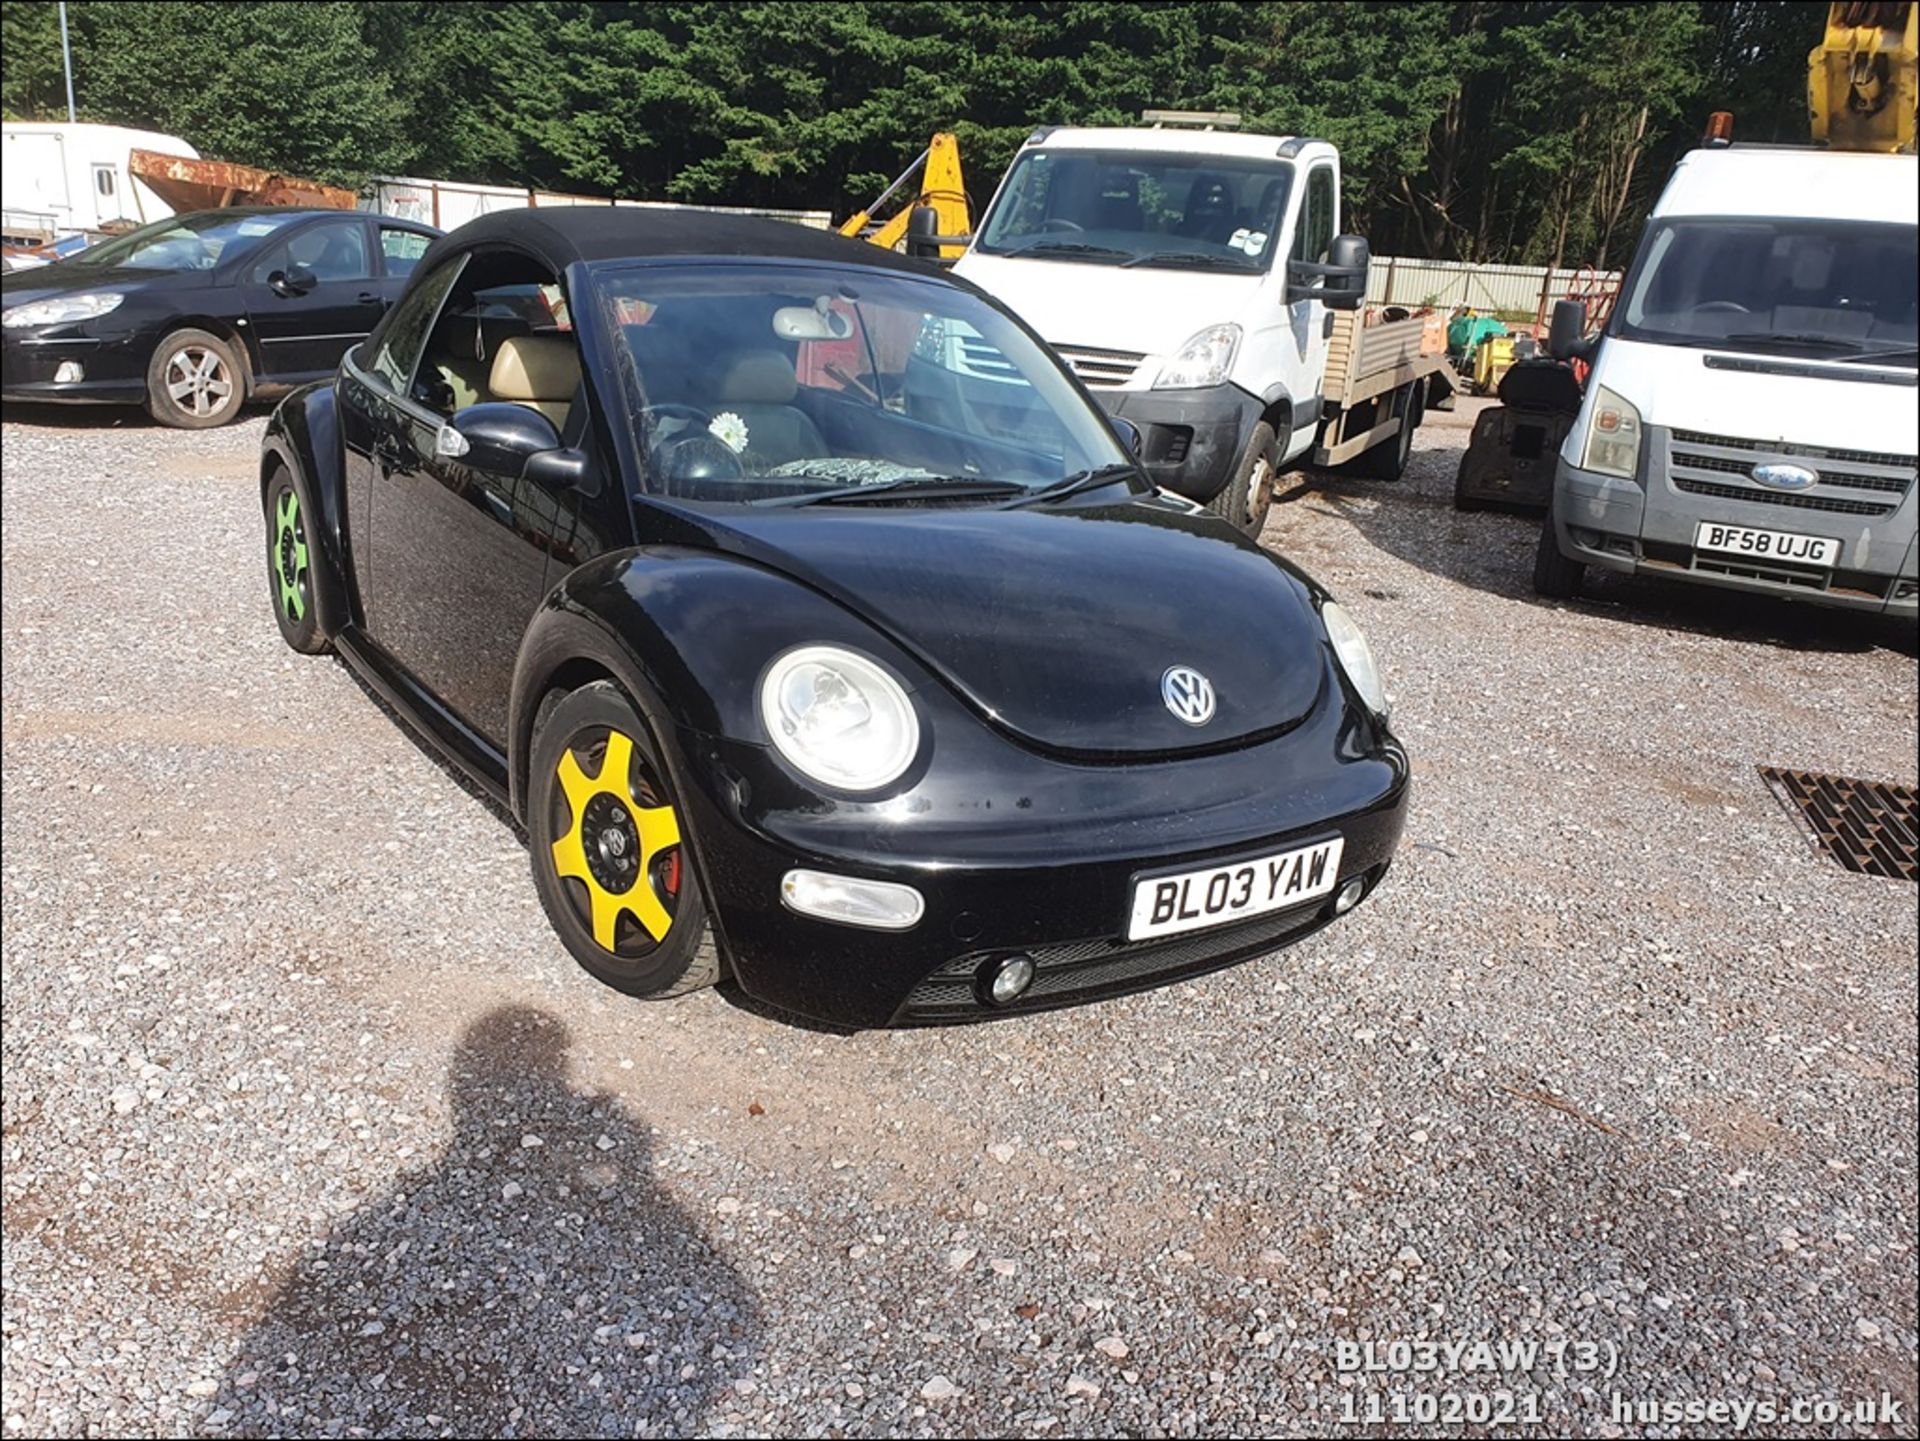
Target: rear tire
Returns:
[1388, 460]
[1462, 499]
[195, 381]
[1554, 576]
[289, 567]
[610, 859]
[1248, 497]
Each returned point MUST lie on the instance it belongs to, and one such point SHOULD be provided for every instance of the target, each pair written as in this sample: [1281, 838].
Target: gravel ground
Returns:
[310, 1127]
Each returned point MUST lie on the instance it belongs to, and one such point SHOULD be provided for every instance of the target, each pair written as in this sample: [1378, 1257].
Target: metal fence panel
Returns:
[1444, 284]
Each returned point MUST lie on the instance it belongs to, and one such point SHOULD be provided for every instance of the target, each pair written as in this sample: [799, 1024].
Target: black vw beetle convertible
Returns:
[819, 627]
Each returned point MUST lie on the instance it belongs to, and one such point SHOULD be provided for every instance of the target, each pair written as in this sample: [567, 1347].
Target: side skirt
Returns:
[452, 737]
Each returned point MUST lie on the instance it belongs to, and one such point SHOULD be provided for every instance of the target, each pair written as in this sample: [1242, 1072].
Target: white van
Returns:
[1187, 277]
[57, 178]
[1752, 419]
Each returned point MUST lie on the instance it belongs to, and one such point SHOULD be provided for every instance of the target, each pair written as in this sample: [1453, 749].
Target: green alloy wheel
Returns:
[289, 578]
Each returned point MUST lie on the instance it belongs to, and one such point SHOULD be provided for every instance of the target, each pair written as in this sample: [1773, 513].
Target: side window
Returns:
[333, 250]
[1313, 241]
[504, 334]
[401, 249]
[407, 330]
[103, 182]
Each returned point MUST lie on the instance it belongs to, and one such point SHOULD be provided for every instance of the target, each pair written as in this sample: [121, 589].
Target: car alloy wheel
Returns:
[610, 849]
[290, 556]
[618, 846]
[198, 381]
[289, 570]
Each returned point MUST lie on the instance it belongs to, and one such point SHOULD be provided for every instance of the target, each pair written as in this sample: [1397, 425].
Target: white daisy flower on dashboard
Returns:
[730, 430]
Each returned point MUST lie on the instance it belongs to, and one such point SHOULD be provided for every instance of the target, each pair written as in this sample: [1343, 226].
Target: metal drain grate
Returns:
[1864, 825]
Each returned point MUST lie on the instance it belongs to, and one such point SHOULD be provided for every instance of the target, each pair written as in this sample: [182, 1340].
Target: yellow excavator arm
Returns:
[1863, 79]
[941, 187]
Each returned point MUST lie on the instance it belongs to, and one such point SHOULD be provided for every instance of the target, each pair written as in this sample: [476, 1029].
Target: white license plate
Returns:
[1216, 895]
[1767, 544]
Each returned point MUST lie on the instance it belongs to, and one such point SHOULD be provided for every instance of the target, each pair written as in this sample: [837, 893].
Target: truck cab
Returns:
[1750, 420]
[1188, 277]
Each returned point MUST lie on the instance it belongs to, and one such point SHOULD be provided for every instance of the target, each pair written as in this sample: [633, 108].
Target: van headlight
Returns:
[1613, 436]
[839, 718]
[61, 309]
[1204, 360]
[1356, 657]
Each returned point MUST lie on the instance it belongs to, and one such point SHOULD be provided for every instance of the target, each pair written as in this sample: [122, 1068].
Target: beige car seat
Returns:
[540, 372]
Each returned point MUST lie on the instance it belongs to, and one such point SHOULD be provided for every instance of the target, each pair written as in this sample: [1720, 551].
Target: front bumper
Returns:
[115, 372]
[1614, 524]
[1040, 863]
[1190, 440]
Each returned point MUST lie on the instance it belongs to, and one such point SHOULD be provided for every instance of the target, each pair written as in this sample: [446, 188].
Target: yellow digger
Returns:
[1863, 79]
[942, 194]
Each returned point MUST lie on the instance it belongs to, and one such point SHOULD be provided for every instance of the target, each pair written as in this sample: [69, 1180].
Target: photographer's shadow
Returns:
[535, 1281]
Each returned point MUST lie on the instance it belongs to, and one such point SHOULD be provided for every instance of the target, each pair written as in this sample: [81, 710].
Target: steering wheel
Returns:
[675, 410]
[1721, 307]
[1057, 223]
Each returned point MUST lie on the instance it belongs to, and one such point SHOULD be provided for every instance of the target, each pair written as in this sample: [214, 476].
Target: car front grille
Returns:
[978, 357]
[1078, 971]
[1851, 482]
[1760, 495]
[1100, 369]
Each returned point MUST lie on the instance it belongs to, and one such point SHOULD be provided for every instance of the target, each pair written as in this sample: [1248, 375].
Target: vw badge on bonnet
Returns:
[1188, 694]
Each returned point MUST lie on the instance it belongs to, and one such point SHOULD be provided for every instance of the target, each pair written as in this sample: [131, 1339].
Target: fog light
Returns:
[880, 905]
[1349, 895]
[1005, 981]
[69, 372]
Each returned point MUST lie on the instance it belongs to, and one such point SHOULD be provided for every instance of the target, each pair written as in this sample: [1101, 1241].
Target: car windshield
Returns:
[1825, 289]
[185, 242]
[1143, 208]
[775, 383]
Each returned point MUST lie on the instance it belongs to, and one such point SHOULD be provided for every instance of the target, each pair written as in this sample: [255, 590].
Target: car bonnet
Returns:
[1061, 625]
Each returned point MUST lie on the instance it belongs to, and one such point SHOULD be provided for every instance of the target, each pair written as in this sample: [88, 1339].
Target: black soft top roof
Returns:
[562, 234]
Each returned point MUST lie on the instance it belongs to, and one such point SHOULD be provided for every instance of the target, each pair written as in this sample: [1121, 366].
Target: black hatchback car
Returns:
[799, 658]
[192, 315]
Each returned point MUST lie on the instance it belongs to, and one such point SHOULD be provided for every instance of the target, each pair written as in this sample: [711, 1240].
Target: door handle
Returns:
[368, 297]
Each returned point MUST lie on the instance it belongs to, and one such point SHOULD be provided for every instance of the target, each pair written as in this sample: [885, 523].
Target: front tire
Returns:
[1554, 576]
[609, 855]
[195, 381]
[1248, 497]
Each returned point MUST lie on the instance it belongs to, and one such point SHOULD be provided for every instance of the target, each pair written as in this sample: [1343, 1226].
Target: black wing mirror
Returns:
[1567, 331]
[1128, 432]
[1339, 284]
[295, 280]
[511, 440]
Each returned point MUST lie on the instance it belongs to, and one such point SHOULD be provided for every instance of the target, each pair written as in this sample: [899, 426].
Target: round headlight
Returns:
[839, 718]
[1356, 656]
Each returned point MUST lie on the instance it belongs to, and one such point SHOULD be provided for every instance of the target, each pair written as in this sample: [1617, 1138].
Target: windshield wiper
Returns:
[1897, 352]
[1197, 258]
[1072, 247]
[1080, 480]
[1814, 342]
[951, 486]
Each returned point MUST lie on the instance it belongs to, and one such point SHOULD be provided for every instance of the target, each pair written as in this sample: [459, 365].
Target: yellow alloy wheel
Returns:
[612, 843]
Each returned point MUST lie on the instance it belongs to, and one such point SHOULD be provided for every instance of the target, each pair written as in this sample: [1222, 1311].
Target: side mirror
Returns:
[1128, 432]
[1567, 331]
[1339, 284]
[499, 437]
[294, 280]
